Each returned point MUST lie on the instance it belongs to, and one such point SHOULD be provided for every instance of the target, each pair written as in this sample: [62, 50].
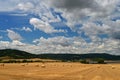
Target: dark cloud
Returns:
[116, 35]
[72, 4]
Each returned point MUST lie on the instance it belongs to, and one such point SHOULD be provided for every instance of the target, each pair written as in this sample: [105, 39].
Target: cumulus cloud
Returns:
[43, 26]
[76, 45]
[63, 41]
[4, 44]
[26, 29]
[111, 28]
[16, 14]
[17, 45]
[8, 5]
[14, 36]
[96, 7]
[71, 5]
[59, 44]
[76, 11]
[114, 30]
[39, 8]
[116, 35]
[63, 45]
[25, 6]
[84, 12]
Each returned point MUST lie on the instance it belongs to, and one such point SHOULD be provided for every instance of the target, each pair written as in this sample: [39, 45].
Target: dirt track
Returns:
[60, 71]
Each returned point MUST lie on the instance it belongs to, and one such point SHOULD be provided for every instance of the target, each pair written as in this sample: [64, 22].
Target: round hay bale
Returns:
[113, 67]
[37, 65]
[23, 65]
[26, 63]
[98, 66]
[2, 65]
[43, 66]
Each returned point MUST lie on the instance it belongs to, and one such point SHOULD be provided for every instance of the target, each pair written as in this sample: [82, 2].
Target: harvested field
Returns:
[59, 71]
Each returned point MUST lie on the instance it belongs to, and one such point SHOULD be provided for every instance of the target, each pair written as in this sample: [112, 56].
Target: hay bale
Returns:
[43, 66]
[113, 67]
[36, 65]
[26, 63]
[23, 65]
[2, 65]
[98, 66]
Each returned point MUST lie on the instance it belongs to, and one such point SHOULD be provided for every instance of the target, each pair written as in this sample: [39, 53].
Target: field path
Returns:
[96, 72]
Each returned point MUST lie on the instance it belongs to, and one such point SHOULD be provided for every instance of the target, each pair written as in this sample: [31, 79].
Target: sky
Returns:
[60, 26]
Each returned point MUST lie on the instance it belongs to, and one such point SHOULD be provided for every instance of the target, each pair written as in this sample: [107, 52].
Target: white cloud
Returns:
[11, 5]
[39, 8]
[114, 30]
[110, 28]
[55, 45]
[75, 11]
[43, 26]
[4, 44]
[8, 5]
[93, 7]
[14, 45]
[63, 41]
[14, 36]
[17, 43]
[16, 14]
[76, 45]
[63, 45]
[25, 6]
[26, 29]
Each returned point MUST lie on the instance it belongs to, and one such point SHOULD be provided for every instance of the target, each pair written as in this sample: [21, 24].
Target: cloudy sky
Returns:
[60, 26]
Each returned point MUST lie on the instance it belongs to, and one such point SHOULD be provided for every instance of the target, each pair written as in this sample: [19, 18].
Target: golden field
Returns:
[59, 71]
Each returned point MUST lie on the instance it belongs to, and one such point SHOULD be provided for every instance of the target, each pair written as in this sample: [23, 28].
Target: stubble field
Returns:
[59, 71]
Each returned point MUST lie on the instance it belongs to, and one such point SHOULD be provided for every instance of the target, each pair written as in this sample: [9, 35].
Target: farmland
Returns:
[59, 71]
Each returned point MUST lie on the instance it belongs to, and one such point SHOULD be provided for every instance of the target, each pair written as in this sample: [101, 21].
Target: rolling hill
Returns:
[17, 54]
[75, 57]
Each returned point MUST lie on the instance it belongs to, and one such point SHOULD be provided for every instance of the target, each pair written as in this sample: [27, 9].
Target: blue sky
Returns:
[65, 26]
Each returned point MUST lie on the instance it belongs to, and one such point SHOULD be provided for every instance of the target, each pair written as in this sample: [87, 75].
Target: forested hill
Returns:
[17, 54]
[79, 56]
